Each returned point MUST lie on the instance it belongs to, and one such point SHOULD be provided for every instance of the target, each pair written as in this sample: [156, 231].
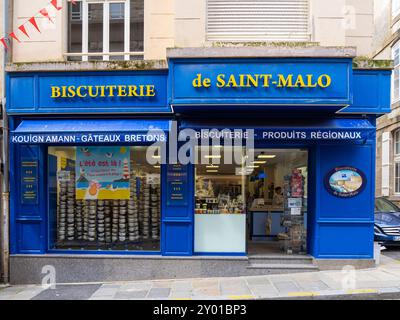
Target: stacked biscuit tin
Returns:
[110, 221]
[155, 212]
[62, 211]
[133, 213]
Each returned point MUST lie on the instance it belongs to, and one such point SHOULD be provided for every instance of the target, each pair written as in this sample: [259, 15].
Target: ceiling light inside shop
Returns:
[212, 167]
[252, 167]
[212, 171]
[259, 162]
[213, 157]
[266, 156]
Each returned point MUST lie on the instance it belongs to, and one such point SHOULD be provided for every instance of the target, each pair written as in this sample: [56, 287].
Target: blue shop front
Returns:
[217, 159]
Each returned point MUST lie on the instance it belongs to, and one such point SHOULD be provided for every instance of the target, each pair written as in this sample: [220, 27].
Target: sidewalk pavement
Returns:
[382, 282]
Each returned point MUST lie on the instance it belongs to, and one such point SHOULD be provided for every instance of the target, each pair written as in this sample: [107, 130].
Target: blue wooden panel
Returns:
[346, 241]
[360, 207]
[179, 210]
[24, 97]
[371, 92]
[343, 227]
[32, 92]
[177, 239]
[30, 237]
[28, 220]
[26, 209]
[177, 217]
[184, 72]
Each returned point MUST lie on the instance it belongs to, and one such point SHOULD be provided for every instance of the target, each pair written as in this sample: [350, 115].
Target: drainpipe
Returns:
[5, 197]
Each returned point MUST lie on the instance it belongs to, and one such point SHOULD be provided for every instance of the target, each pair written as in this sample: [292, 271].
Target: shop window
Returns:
[110, 30]
[396, 72]
[103, 198]
[397, 176]
[220, 220]
[260, 204]
[397, 143]
[395, 8]
[262, 20]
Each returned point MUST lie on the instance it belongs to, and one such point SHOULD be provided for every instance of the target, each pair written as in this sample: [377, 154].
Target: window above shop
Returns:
[262, 20]
[396, 72]
[397, 143]
[396, 152]
[395, 8]
[106, 30]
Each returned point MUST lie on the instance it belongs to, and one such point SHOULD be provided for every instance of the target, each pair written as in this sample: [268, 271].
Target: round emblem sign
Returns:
[345, 182]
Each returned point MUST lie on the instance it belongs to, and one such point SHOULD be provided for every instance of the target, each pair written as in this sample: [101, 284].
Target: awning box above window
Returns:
[90, 131]
[281, 130]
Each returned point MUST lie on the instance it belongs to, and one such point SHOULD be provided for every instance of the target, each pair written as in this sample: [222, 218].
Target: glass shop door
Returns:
[276, 202]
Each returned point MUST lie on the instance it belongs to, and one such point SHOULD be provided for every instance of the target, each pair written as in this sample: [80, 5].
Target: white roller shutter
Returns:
[257, 20]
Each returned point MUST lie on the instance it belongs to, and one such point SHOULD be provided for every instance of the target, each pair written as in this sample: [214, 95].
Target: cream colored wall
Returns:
[190, 23]
[159, 28]
[182, 23]
[343, 23]
[44, 46]
[382, 32]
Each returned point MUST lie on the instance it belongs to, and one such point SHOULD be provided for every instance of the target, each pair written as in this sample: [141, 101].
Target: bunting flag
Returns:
[33, 22]
[12, 35]
[23, 30]
[55, 5]
[45, 14]
[4, 42]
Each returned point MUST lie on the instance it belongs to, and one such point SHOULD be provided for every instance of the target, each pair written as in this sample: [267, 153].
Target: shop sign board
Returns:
[278, 134]
[240, 82]
[88, 92]
[89, 138]
[29, 181]
[345, 181]
[178, 184]
[102, 173]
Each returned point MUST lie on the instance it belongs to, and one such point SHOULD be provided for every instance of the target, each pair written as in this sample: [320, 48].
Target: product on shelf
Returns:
[109, 221]
[133, 213]
[294, 239]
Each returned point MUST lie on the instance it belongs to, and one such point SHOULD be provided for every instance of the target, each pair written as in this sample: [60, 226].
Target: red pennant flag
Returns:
[12, 35]
[45, 13]
[23, 30]
[4, 42]
[33, 22]
[55, 5]
[73, 2]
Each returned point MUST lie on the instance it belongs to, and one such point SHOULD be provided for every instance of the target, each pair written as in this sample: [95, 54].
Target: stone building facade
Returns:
[386, 46]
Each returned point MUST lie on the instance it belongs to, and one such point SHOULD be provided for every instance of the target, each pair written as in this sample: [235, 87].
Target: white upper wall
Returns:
[44, 46]
[383, 29]
[182, 23]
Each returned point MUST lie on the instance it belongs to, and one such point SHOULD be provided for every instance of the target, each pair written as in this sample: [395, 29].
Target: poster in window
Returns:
[345, 181]
[102, 173]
